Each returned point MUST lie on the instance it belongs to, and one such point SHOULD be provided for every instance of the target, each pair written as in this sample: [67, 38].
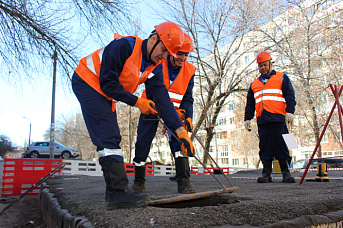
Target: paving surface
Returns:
[273, 204]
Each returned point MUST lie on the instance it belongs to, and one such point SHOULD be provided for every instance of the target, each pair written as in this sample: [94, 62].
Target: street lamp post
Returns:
[30, 130]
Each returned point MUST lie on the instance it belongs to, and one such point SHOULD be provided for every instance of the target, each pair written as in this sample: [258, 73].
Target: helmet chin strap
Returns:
[153, 48]
[173, 58]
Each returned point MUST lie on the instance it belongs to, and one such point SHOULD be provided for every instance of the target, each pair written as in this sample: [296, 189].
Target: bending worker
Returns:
[272, 96]
[113, 73]
[179, 80]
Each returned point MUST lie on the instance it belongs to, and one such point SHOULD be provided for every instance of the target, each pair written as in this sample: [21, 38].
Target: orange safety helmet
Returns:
[171, 35]
[263, 56]
[187, 45]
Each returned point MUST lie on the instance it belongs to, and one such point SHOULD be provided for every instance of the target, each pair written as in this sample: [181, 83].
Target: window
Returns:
[231, 107]
[245, 45]
[222, 121]
[325, 138]
[238, 63]
[225, 161]
[211, 149]
[245, 161]
[235, 161]
[225, 152]
[223, 135]
[232, 120]
[247, 59]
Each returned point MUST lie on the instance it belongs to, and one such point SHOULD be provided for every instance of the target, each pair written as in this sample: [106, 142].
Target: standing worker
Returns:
[179, 80]
[112, 74]
[272, 96]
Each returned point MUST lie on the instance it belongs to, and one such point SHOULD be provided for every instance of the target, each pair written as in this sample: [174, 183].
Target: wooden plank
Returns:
[192, 196]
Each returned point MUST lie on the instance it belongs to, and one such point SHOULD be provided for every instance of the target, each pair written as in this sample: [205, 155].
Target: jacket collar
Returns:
[268, 76]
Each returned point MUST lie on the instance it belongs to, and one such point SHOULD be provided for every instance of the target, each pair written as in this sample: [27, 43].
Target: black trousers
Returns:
[272, 144]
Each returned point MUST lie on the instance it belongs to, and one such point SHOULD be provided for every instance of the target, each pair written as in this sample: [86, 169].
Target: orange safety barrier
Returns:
[20, 174]
[203, 171]
[130, 169]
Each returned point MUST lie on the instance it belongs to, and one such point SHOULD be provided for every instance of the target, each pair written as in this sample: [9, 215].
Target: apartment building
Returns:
[232, 146]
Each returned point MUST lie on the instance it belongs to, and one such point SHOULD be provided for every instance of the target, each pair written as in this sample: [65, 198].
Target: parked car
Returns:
[42, 149]
[331, 162]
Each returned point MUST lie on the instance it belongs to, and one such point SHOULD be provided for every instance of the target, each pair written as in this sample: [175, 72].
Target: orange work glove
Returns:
[188, 124]
[146, 106]
[181, 113]
[186, 143]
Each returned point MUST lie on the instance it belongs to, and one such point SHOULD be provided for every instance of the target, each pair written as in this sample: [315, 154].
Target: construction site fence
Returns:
[20, 174]
[203, 171]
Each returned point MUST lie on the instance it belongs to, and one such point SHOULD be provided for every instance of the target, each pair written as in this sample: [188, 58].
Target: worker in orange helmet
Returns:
[112, 74]
[272, 96]
[179, 79]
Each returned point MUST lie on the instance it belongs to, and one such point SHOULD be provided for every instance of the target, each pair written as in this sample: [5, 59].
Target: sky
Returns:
[27, 104]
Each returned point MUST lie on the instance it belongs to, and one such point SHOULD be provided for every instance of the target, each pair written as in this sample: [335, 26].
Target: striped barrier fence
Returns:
[20, 174]
[203, 171]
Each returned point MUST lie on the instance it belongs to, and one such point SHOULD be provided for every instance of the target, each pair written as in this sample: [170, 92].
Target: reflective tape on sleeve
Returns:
[151, 75]
[179, 154]
[107, 152]
[139, 164]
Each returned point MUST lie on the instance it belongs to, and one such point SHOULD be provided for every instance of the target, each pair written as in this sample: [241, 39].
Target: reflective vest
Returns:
[130, 77]
[179, 86]
[269, 96]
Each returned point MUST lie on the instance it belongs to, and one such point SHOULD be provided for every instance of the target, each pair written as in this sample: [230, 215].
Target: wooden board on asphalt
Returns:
[192, 196]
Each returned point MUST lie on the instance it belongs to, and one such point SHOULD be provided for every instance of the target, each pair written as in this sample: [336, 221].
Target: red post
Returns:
[337, 95]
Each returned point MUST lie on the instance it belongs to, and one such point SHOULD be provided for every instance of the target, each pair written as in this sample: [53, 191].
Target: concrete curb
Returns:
[330, 220]
[55, 216]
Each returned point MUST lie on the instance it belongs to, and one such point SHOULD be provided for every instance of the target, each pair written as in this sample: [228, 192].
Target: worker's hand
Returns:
[146, 106]
[186, 143]
[247, 125]
[181, 113]
[289, 118]
[188, 124]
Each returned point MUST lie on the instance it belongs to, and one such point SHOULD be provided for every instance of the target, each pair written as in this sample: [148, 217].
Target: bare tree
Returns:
[30, 32]
[308, 40]
[72, 132]
[218, 29]
[5, 145]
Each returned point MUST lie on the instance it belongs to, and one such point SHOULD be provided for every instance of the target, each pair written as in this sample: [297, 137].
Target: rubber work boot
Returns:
[266, 172]
[172, 178]
[118, 192]
[286, 174]
[182, 176]
[139, 182]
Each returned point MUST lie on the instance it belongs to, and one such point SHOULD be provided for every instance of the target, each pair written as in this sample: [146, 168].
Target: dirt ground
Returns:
[25, 213]
[252, 205]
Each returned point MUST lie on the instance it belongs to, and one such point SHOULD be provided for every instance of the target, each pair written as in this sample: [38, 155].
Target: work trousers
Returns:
[272, 144]
[101, 121]
[146, 132]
